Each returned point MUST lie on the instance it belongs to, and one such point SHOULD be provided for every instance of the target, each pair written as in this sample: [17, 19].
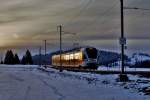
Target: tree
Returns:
[23, 61]
[143, 64]
[2, 62]
[28, 57]
[9, 57]
[16, 59]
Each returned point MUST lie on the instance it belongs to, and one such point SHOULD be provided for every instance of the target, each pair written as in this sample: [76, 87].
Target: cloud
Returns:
[16, 36]
[92, 20]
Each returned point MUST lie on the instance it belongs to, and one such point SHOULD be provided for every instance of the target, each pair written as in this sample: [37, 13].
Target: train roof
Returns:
[71, 50]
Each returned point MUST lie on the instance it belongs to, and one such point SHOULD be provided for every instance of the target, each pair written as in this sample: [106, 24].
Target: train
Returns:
[83, 57]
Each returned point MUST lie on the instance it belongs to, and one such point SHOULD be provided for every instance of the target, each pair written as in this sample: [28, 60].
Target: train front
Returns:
[91, 58]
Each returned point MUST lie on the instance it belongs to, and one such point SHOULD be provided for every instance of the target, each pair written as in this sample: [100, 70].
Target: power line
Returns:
[81, 11]
[104, 14]
[136, 8]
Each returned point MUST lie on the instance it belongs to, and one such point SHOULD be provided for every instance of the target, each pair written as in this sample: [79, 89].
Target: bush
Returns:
[144, 64]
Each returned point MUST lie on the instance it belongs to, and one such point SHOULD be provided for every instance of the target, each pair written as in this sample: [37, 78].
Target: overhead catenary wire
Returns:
[136, 8]
[84, 7]
[103, 14]
[106, 13]
[142, 11]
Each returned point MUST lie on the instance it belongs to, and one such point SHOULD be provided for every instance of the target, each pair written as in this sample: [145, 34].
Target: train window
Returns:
[77, 55]
[91, 52]
[66, 57]
[71, 56]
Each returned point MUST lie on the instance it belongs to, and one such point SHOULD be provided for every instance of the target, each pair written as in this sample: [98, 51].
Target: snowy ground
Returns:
[29, 83]
[118, 68]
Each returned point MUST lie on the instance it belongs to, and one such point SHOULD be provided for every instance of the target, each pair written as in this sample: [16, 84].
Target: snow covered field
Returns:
[104, 68]
[29, 83]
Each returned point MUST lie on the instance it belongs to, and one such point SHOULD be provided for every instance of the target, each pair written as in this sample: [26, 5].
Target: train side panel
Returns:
[72, 59]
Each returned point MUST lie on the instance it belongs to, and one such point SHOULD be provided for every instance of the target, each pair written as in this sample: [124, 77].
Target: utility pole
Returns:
[122, 37]
[123, 76]
[45, 41]
[60, 33]
[40, 56]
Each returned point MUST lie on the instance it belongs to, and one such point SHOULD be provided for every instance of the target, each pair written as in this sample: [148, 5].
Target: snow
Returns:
[136, 83]
[13, 66]
[51, 84]
[105, 68]
[138, 57]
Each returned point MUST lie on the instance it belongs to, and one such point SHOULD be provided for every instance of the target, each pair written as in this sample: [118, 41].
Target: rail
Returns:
[142, 73]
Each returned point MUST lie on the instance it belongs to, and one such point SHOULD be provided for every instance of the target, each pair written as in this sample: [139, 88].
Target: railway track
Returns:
[142, 73]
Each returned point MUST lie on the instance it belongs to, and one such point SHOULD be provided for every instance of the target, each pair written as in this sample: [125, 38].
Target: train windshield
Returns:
[92, 52]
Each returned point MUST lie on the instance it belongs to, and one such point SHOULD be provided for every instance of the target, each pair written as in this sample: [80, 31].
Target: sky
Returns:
[24, 24]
